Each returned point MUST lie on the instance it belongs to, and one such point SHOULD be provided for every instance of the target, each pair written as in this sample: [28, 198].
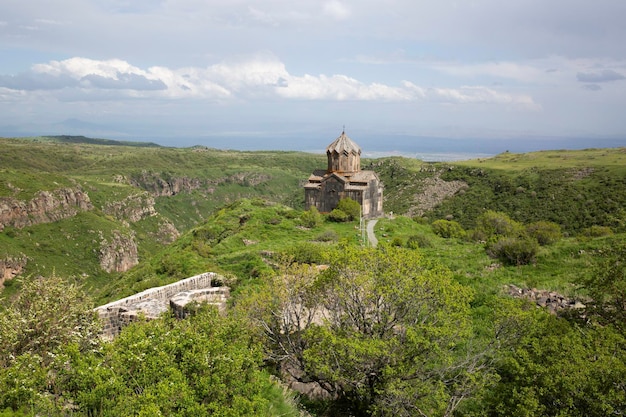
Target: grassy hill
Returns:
[68, 206]
[150, 195]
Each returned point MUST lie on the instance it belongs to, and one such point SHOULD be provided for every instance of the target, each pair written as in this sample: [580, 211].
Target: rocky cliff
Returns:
[118, 253]
[45, 207]
[161, 185]
[132, 209]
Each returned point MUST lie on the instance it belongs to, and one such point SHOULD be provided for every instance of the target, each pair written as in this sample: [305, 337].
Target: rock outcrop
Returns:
[551, 300]
[160, 185]
[119, 252]
[434, 192]
[45, 207]
[10, 267]
[132, 209]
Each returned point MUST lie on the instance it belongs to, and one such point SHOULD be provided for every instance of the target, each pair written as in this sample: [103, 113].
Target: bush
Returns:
[327, 236]
[596, 231]
[420, 219]
[307, 253]
[311, 217]
[546, 233]
[397, 242]
[418, 241]
[448, 229]
[338, 215]
[350, 207]
[493, 223]
[514, 250]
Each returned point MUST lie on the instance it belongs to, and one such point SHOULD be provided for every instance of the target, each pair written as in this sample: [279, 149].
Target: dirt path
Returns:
[370, 232]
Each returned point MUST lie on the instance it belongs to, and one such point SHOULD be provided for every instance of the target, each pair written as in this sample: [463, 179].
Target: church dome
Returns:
[343, 144]
[344, 155]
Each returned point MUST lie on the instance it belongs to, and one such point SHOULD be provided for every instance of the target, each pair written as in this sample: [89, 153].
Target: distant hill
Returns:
[91, 141]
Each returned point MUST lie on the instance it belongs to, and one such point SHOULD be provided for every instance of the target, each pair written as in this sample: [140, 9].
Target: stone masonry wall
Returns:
[150, 303]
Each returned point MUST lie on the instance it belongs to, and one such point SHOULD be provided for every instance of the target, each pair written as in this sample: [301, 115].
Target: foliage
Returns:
[307, 253]
[337, 215]
[546, 233]
[394, 333]
[350, 207]
[311, 217]
[596, 231]
[47, 315]
[492, 224]
[606, 285]
[204, 365]
[448, 229]
[550, 367]
[418, 241]
[514, 250]
[327, 236]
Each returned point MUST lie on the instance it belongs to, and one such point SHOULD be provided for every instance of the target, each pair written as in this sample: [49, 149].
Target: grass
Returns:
[614, 159]
[576, 189]
[559, 267]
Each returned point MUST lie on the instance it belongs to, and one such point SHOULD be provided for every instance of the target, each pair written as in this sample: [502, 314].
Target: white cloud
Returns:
[262, 76]
[336, 10]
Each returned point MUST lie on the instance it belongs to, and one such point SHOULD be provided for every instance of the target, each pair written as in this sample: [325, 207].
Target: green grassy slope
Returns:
[129, 176]
[576, 189]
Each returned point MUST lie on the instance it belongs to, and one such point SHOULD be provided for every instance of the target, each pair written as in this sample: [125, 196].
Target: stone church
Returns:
[344, 179]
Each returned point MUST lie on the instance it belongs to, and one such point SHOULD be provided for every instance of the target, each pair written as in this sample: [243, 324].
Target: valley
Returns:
[427, 323]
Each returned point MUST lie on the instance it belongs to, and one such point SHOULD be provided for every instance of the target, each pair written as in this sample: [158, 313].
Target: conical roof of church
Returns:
[343, 144]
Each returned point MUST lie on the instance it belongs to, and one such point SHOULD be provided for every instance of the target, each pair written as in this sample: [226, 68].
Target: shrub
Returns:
[307, 253]
[350, 207]
[493, 223]
[514, 250]
[596, 231]
[397, 242]
[327, 236]
[420, 219]
[418, 241]
[311, 217]
[448, 229]
[338, 215]
[546, 233]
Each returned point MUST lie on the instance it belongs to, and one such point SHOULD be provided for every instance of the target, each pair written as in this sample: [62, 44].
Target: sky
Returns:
[285, 73]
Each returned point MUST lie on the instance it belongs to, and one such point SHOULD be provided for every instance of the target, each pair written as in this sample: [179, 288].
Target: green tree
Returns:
[546, 233]
[548, 366]
[48, 314]
[204, 365]
[492, 224]
[380, 330]
[606, 285]
[350, 207]
[514, 250]
[448, 229]
[339, 216]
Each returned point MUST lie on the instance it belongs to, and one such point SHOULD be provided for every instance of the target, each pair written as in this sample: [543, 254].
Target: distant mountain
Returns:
[94, 141]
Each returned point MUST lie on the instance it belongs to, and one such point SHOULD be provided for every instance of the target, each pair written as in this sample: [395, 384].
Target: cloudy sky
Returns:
[177, 69]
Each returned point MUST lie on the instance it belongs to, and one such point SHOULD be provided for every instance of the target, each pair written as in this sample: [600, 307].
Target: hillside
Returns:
[497, 287]
[111, 205]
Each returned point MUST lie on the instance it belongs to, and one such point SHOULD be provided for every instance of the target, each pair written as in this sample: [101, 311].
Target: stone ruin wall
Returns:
[154, 301]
